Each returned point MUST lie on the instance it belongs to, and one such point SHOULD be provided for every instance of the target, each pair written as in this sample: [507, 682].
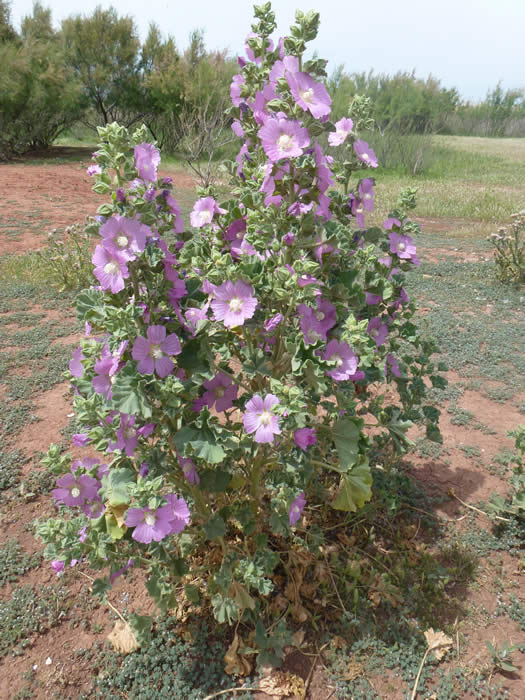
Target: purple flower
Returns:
[175, 210]
[296, 508]
[272, 323]
[180, 513]
[304, 437]
[233, 303]
[342, 128]
[220, 391]
[106, 367]
[144, 470]
[152, 354]
[402, 246]
[310, 96]
[235, 89]
[345, 360]
[377, 330]
[259, 419]
[203, 211]
[365, 153]
[288, 64]
[150, 524]
[128, 435]
[315, 323]
[358, 211]
[288, 238]
[110, 268]
[93, 509]
[80, 439]
[57, 566]
[189, 470]
[373, 299]
[147, 160]
[120, 194]
[366, 193]
[283, 138]
[126, 236]
[76, 490]
[93, 170]
[75, 364]
[392, 364]
[390, 223]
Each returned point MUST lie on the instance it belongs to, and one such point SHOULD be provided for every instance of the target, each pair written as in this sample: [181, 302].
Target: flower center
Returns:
[155, 352]
[365, 156]
[219, 392]
[401, 246]
[367, 196]
[111, 268]
[285, 142]
[307, 95]
[128, 433]
[150, 519]
[122, 241]
[374, 332]
[265, 418]
[205, 216]
[337, 359]
[320, 315]
[75, 492]
[235, 304]
[359, 210]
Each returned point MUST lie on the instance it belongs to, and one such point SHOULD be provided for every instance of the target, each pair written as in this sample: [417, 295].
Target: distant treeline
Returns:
[94, 70]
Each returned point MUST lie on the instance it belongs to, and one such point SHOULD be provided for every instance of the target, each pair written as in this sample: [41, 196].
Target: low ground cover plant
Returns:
[234, 376]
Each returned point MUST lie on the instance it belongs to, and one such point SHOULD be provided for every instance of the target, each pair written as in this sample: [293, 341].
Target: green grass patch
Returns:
[14, 562]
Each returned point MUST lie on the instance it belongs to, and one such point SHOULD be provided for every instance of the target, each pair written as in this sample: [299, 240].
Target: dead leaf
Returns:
[338, 642]
[118, 513]
[233, 662]
[298, 638]
[300, 613]
[282, 684]
[438, 642]
[122, 638]
[241, 596]
[353, 671]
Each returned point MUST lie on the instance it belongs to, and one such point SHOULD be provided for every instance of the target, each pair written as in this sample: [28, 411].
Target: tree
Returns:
[103, 51]
[7, 32]
[38, 26]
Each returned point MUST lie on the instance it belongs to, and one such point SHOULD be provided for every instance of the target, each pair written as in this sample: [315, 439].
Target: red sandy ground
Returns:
[61, 195]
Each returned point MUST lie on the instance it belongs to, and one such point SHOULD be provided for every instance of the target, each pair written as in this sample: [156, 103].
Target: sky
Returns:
[466, 44]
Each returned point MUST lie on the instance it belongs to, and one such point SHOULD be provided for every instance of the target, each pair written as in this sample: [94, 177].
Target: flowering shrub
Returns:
[509, 250]
[231, 375]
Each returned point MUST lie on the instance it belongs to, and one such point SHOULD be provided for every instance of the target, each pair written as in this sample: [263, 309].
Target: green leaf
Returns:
[141, 626]
[100, 588]
[346, 437]
[115, 531]
[115, 486]
[215, 527]
[127, 394]
[355, 489]
[192, 593]
[90, 306]
[214, 480]
[203, 443]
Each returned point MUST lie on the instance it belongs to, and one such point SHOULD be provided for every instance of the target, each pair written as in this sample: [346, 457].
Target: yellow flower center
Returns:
[205, 216]
[401, 246]
[265, 418]
[111, 268]
[122, 241]
[149, 519]
[285, 142]
[155, 352]
[235, 304]
[128, 433]
[75, 492]
[337, 359]
[307, 96]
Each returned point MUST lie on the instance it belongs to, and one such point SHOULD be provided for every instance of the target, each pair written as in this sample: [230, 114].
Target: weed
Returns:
[27, 613]
[10, 465]
[168, 667]
[501, 657]
[14, 562]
